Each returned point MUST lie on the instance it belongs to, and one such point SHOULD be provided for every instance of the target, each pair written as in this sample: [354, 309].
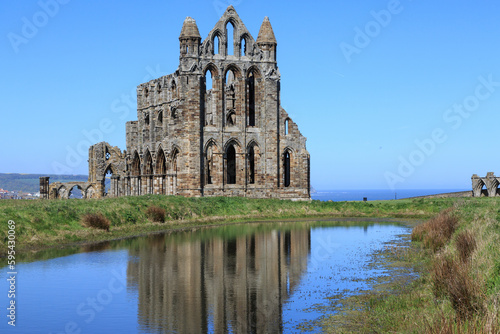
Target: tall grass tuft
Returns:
[156, 214]
[437, 231]
[450, 325]
[466, 245]
[96, 220]
[452, 278]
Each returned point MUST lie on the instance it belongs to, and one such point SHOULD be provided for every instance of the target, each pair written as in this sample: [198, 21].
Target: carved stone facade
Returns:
[490, 182]
[215, 127]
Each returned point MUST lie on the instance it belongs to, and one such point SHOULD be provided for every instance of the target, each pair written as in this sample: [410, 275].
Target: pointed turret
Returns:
[189, 29]
[266, 33]
[190, 38]
[266, 40]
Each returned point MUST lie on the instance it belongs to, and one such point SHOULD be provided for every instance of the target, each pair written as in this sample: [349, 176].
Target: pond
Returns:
[245, 278]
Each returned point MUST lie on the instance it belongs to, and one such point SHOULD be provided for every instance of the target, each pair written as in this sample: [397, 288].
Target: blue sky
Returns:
[390, 94]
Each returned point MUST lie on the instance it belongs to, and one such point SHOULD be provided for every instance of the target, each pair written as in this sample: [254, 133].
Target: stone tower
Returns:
[215, 127]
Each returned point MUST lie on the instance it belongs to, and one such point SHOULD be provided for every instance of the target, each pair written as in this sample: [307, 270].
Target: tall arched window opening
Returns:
[286, 126]
[174, 90]
[161, 164]
[136, 174]
[251, 165]
[209, 164]
[286, 169]
[149, 173]
[174, 170]
[160, 117]
[243, 45]
[210, 101]
[136, 165]
[161, 171]
[231, 165]
[175, 157]
[107, 182]
[230, 38]
[230, 93]
[251, 99]
[216, 45]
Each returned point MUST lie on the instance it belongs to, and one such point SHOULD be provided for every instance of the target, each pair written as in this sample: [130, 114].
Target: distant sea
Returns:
[375, 195]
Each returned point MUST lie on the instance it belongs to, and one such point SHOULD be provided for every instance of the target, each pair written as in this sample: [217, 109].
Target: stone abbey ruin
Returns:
[490, 182]
[215, 127]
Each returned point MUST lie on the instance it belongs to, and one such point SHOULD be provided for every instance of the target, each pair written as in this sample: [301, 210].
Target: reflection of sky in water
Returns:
[337, 263]
[217, 279]
[83, 291]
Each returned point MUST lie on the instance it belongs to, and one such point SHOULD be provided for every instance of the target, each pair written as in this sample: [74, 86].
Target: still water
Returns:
[260, 278]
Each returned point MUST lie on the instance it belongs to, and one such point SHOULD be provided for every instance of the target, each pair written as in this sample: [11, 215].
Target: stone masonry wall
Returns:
[229, 139]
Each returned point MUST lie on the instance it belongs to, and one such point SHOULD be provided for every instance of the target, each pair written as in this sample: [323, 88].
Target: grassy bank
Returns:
[50, 223]
[456, 253]
[457, 257]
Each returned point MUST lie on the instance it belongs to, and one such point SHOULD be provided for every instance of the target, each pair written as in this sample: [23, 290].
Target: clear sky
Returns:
[390, 94]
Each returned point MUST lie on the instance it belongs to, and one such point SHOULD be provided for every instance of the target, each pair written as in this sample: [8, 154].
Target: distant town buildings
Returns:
[6, 194]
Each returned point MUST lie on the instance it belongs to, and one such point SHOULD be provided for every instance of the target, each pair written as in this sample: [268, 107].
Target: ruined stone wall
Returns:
[230, 139]
[490, 182]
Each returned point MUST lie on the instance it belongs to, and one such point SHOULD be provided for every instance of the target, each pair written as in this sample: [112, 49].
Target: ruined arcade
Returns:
[215, 127]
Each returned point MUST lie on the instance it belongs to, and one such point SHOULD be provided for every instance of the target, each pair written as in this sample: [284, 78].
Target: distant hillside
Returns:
[31, 182]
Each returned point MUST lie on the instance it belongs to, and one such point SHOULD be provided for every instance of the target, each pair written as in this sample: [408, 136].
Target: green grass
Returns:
[454, 293]
[46, 223]
[398, 305]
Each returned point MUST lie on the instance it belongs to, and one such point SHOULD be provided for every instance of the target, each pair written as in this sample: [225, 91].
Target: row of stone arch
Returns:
[239, 73]
[222, 165]
[487, 186]
[235, 91]
[158, 88]
[219, 40]
[234, 165]
[154, 173]
[67, 190]
[159, 164]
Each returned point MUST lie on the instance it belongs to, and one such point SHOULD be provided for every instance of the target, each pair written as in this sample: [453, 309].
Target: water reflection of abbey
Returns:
[217, 285]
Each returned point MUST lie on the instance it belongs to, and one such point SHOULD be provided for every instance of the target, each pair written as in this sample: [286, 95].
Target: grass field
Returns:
[46, 223]
[456, 252]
